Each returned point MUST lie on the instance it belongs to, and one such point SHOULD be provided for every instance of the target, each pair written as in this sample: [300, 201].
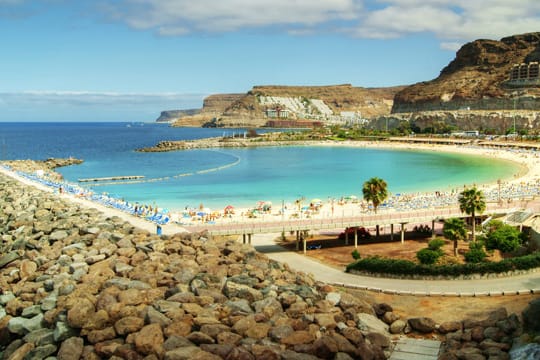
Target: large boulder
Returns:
[531, 316]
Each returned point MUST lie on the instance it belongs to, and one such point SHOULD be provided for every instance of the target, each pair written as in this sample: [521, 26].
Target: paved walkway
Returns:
[519, 284]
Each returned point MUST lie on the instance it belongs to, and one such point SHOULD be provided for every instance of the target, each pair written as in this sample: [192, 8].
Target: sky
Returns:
[128, 60]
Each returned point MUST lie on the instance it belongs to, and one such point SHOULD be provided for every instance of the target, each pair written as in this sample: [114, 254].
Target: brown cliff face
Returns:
[213, 107]
[475, 78]
[231, 110]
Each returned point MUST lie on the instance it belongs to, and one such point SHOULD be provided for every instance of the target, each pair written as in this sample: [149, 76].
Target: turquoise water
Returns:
[240, 177]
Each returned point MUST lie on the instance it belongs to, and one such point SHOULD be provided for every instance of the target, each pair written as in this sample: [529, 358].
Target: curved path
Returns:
[519, 284]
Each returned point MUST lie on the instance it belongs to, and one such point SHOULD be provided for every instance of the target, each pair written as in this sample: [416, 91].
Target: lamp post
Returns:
[499, 194]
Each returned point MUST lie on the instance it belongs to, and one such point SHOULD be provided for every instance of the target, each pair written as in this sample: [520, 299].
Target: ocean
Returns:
[240, 177]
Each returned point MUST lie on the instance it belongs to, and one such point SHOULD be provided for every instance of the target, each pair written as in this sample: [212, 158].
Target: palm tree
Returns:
[374, 190]
[472, 202]
[454, 229]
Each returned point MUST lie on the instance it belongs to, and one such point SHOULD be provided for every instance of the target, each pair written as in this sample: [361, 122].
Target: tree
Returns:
[454, 229]
[472, 202]
[375, 190]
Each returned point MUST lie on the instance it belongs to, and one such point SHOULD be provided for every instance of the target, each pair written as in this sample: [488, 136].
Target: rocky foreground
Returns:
[78, 285]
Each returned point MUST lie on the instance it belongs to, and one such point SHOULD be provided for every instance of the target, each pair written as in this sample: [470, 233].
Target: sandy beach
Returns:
[519, 188]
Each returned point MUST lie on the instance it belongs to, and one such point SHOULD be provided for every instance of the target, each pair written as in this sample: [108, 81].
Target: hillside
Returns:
[301, 102]
[478, 79]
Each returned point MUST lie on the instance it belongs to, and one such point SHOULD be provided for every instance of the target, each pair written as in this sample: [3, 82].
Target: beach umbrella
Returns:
[316, 201]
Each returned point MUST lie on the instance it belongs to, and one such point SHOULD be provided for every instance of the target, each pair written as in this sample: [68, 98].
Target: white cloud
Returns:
[451, 46]
[452, 21]
[181, 16]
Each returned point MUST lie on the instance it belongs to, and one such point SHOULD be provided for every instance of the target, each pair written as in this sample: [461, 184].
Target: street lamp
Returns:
[499, 195]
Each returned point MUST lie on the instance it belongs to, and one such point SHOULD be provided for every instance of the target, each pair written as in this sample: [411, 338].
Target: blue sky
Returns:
[127, 60]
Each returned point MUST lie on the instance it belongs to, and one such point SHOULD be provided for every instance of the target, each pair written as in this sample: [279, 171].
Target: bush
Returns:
[475, 255]
[405, 267]
[505, 238]
[436, 244]
[428, 256]
[355, 254]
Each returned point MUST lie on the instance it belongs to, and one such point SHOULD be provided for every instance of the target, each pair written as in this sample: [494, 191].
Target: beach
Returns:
[519, 189]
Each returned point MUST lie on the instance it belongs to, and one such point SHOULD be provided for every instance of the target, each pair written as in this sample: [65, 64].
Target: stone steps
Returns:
[415, 349]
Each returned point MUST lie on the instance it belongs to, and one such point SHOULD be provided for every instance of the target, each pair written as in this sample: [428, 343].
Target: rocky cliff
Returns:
[231, 110]
[477, 79]
[172, 115]
[213, 106]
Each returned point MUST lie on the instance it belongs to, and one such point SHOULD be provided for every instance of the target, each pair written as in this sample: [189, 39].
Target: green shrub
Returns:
[405, 267]
[355, 254]
[475, 255]
[505, 238]
[436, 244]
[428, 256]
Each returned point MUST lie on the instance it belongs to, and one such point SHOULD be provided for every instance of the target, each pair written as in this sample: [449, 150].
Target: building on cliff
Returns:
[524, 75]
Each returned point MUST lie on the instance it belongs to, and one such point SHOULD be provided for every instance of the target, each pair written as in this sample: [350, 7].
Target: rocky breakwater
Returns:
[46, 166]
[170, 145]
[79, 285]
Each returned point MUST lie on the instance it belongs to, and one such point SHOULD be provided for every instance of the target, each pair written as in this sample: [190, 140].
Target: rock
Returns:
[397, 326]
[41, 352]
[80, 314]
[531, 316]
[381, 309]
[369, 323]
[71, 349]
[298, 337]
[155, 317]
[22, 326]
[280, 332]
[58, 235]
[150, 340]
[325, 347]
[128, 324]
[183, 353]
[7, 258]
[378, 339]
[333, 297]
[389, 317]
[258, 331]
[199, 338]
[42, 336]
[449, 326]
[62, 331]
[326, 321]
[422, 324]
[22, 352]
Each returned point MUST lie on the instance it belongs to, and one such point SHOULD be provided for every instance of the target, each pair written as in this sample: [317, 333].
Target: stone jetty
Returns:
[208, 143]
[76, 284]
